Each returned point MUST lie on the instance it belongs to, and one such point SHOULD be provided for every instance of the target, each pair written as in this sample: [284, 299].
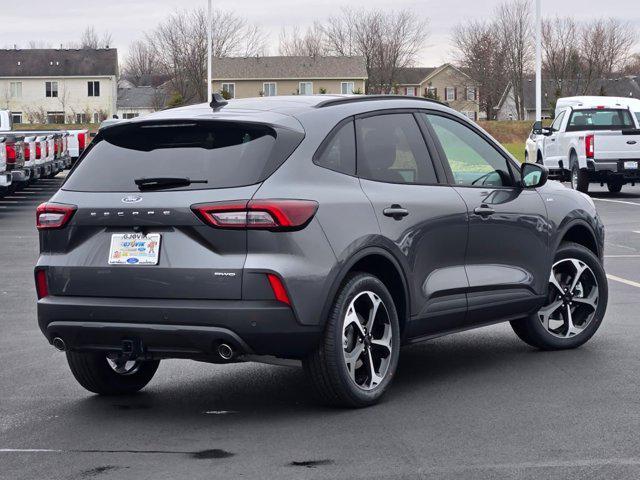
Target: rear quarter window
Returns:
[225, 154]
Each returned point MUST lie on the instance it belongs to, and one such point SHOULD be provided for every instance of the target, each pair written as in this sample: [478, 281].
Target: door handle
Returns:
[395, 211]
[484, 210]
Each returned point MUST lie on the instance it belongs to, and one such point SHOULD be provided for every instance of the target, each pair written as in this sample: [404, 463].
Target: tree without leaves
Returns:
[479, 53]
[141, 65]
[560, 56]
[312, 44]
[91, 40]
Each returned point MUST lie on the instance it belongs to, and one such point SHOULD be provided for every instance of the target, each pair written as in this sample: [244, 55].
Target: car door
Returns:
[551, 151]
[507, 254]
[422, 219]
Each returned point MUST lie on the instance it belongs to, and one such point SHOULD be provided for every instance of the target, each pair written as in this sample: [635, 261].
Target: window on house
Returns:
[450, 94]
[471, 94]
[96, 117]
[305, 88]
[51, 89]
[130, 115]
[347, 88]
[230, 88]
[16, 117]
[81, 118]
[432, 92]
[55, 117]
[269, 89]
[93, 89]
[15, 89]
[411, 91]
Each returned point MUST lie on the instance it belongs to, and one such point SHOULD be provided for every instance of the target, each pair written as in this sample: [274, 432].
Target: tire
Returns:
[539, 160]
[558, 337]
[614, 186]
[327, 366]
[579, 176]
[93, 372]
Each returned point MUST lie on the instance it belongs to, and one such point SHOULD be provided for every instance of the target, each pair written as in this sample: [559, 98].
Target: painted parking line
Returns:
[623, 280]
[622, 256]
[626, 202]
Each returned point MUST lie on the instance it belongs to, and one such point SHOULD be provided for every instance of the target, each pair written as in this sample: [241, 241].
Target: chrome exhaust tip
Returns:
[59, 344]
[225, 351]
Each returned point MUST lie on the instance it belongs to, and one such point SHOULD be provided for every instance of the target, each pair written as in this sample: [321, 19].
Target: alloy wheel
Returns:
[367, 340]
[574, 178]
[122, 366]
[573, 299]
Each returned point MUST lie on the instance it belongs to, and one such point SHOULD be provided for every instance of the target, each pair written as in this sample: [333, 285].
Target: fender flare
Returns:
[348, 265]
[562, 231]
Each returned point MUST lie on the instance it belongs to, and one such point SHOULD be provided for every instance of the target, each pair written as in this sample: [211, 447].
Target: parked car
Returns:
[5, 176]
[13, 146]
[589, 143]
[275, 239]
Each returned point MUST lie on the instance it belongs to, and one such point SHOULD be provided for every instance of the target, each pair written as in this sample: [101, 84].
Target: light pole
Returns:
[538, 60]
[209, 48]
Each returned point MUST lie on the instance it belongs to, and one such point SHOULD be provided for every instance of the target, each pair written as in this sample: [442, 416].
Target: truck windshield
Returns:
[600, 119]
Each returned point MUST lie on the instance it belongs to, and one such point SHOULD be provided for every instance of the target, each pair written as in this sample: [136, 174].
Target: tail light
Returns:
[278, 288]
[42, 286]
[56, 147]
[11, 154]
[258, 214]
[27, 152]
[589, 145]
[53, 215]
[81, 142]
[38, 151]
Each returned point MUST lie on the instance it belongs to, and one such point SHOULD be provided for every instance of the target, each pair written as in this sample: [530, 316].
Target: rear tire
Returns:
[614, 186]
[579, 176]
[587, 306]
[94, 373]
[355, 363]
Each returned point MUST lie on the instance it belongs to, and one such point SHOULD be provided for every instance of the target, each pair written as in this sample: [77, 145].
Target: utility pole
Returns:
[538, 60]
[209, 51]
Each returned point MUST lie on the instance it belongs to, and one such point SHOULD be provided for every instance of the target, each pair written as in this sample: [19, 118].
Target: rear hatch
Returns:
[621, 145]
[143, 240]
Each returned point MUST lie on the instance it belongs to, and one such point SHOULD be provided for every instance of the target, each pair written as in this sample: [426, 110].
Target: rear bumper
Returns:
[21, 175]
[176, 328]
[5, 179]
[613, 167]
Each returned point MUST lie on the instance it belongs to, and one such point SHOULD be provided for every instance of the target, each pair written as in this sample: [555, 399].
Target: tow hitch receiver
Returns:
[131, 349]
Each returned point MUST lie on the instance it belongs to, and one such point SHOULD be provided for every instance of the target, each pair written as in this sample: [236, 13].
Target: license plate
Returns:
[134, 249]
[630, 165]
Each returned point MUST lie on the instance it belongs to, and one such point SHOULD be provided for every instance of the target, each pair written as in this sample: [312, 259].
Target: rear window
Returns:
[225, 154]
[600, 119]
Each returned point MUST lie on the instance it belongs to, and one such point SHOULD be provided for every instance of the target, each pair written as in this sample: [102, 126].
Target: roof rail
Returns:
[364, 98]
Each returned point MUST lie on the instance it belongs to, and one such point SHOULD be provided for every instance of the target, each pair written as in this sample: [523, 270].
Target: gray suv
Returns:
[324, 229]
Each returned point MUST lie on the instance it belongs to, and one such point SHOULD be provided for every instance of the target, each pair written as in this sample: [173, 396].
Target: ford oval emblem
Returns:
[131, 199]
[631, 142]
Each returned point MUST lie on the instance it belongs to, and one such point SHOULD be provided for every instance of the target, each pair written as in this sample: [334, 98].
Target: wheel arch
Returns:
[580, 232]
[381, 263]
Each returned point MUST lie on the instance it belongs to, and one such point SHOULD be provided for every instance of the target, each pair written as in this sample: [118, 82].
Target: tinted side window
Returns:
[339, 153]
[391, 149]
[473, 160]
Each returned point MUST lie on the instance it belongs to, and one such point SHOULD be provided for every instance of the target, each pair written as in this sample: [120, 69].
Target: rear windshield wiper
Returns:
[165, 182]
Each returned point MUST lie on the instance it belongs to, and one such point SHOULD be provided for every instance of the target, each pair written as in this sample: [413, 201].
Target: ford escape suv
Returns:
[324, 229]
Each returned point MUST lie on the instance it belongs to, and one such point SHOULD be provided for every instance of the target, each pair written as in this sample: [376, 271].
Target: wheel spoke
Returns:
[385, 340]
[351, 358]
[580, 269]
[375, 303]
[591, 300]
[571, 328]
[554, 281]
[546, 312]
[374, 378]
[352, 318]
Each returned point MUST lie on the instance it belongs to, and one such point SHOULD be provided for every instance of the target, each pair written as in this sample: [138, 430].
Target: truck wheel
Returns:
[356, 360]
[614, 186]
[579, 178]
[104, 376]
[576, 302]
[526, 157]
[539, 159]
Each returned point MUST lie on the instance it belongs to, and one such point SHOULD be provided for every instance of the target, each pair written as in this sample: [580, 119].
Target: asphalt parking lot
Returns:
[479, 404]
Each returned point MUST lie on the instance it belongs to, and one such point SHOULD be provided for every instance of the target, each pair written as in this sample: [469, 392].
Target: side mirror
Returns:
[533, 175]
[537, 128]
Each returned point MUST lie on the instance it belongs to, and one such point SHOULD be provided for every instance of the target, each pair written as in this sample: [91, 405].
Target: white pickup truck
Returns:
[589, 144]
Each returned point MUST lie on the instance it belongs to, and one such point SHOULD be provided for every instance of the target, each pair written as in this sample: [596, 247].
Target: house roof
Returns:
[259, 68]
[49, 62]
[628, 86]
[413, 75]
[140, 97]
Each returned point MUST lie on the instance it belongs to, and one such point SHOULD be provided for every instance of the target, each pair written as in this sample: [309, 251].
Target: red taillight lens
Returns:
[278, 288]
[42, 286]
[56, 148]
[53, 215]
[47, 149]
[11, 154]
[258, 214]
[27, 152]
[589, 145]
[81, 142]
[38, 151]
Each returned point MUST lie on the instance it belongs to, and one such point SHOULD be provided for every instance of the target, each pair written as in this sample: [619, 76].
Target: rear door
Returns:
[507, 255]
[552, 143]
[189, 259]
[422, 219]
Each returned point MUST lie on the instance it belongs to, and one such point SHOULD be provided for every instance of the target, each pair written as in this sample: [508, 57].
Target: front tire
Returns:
[357, 359]
[104, 376]
[576, 302]
[579, 176]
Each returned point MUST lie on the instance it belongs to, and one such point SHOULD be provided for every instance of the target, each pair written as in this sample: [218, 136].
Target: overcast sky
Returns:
[61, 21]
